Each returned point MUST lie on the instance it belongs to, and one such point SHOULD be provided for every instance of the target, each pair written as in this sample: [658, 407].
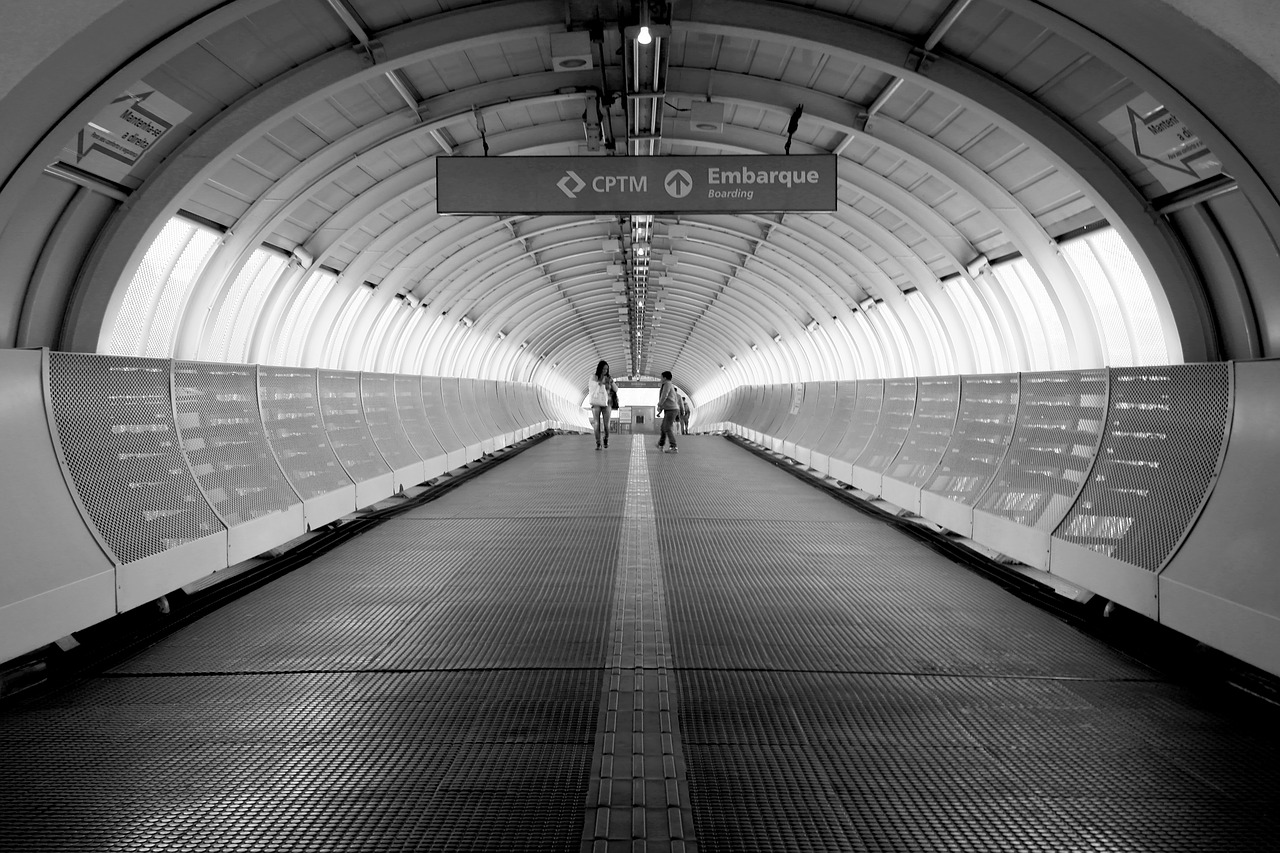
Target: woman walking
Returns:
[603, 390]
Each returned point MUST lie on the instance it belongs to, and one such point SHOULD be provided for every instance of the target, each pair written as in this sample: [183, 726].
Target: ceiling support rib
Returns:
[919, 58]
[395, 77]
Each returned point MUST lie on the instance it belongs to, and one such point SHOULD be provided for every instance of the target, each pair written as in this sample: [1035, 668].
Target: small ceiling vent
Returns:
[706, 117]
[571, 51]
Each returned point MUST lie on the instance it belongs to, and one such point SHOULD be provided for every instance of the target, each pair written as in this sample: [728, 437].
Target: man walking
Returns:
[669, 402]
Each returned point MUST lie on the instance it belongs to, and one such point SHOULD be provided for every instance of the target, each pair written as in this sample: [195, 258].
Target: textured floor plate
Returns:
[437, 684]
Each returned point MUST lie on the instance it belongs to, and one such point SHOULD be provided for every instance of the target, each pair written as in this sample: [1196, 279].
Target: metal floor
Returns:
[628, 650]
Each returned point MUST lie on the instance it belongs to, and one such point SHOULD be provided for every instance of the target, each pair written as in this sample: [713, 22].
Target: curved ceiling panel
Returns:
[970, 134]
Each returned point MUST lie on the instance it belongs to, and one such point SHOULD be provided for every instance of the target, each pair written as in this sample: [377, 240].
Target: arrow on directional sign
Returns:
[571, 176]
[1161, 138]
[678, 183]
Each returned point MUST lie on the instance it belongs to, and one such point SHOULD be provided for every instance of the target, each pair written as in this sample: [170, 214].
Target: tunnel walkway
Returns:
[578, 650]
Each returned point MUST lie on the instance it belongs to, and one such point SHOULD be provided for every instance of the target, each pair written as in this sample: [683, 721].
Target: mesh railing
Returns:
[383, 417]
[1166, 428]
[291, 411]
[116, 426]
[1060, 421]
[984, 426]
[225, 443]
[892, 426]
[344, 421]
[937, 400]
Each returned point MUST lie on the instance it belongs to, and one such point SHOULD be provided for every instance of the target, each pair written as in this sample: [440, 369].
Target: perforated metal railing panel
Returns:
[455, 412]
[866, 412]
[434, 406]
[413, 417]
[487, 403]
[938, 398]
[988, 408]
[225, 443]
[343, 413]
[1060, 421]
[1165, 431]
[115, 422]
[291, 411]
[846, 397]
[790, 403]
[820, 399]
[892, 427]
[383, 418]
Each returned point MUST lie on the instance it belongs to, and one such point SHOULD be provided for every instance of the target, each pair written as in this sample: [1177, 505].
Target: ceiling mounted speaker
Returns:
[571, 51]
[706, 117]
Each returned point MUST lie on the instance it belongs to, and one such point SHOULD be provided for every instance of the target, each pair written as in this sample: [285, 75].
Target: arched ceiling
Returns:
[965, 130]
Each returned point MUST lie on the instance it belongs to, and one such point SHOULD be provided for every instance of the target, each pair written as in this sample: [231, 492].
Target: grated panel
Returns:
[225, 443]
[849, 596]
[821, 397]
[892, 427]
[581, 483]
[291, 411]
[116, 427]
[866, 413]
[931, 430]
[988, 409]
[484, 392]
[1165, 431]
[846, 397]
[767, 798]
[413, 416]
[791, 401]
[343, 414]
[437, 416]
[1060, 422]
[437, 684]
[326, 761]
[455, 412]
[382, 416]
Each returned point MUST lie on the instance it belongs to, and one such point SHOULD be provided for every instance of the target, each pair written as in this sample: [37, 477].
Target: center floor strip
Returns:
[638, 800]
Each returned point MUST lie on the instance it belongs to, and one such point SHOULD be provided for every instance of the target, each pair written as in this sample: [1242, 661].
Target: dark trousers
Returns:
[669, 418]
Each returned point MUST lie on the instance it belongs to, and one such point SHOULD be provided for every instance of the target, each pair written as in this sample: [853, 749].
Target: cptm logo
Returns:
[572, 184]
[564, 183]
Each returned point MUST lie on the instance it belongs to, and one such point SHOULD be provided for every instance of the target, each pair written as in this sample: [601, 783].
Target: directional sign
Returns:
[712, 184]
[1171, 151]
[122, 132]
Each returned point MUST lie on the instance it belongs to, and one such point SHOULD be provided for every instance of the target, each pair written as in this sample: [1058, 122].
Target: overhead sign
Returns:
[122, 132]
[1170, 150]
[711, 184]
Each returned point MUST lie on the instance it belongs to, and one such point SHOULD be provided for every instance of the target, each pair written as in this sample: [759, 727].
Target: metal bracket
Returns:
[919, 60]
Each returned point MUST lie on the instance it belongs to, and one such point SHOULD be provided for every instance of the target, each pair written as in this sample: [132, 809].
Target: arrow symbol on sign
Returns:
[1162, 138]
[678, 183]
[571, 176]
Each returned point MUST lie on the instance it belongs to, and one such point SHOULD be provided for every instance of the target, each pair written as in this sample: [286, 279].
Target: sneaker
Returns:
[675, 450]
[597, 447]
[606, 445]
